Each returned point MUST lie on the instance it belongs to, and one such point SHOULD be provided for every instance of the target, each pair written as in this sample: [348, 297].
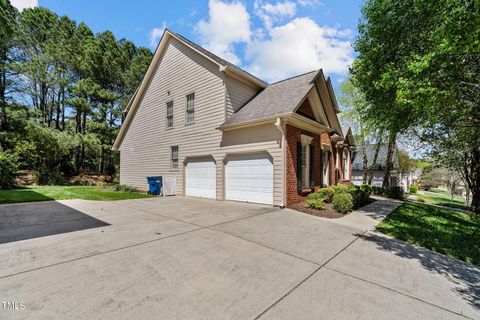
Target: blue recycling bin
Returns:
[154, 185]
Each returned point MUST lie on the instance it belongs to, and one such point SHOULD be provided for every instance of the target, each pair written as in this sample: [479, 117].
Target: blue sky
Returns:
[272, 39]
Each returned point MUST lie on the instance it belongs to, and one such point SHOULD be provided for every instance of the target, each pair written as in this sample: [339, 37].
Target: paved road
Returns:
[187, 258]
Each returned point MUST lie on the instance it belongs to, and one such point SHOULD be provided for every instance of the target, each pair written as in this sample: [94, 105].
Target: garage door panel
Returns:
[200, 176]
[249, 178]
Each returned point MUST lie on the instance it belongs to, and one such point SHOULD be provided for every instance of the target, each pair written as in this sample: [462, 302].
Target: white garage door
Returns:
[249, 178]
[200, 178]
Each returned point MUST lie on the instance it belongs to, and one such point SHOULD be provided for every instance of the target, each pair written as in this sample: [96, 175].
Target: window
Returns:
[170, 114]
[174, 157]
[345, 164]
[190, 108]
[304, 165]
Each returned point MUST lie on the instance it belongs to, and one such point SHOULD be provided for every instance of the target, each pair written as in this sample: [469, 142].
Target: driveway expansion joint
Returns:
[397, 291]
[309, 276]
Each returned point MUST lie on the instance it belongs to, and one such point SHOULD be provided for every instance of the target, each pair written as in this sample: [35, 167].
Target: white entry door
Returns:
[200, 178]
[249, 178]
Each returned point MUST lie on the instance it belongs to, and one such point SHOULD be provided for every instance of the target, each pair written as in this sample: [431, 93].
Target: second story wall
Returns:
[181, 71]
[237, 94]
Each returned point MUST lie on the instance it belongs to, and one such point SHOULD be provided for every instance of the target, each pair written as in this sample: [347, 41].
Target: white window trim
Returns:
[186, 109]
[306, 141]
[166, 115]
[172, 158]
[345, 164]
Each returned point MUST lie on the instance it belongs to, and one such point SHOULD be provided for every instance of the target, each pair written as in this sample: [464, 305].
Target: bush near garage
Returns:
[342, 202]
[326, 193]
[340, 188]
[360, 196]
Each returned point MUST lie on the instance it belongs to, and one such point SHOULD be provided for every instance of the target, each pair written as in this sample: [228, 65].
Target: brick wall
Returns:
[293, 135]
[306, 110]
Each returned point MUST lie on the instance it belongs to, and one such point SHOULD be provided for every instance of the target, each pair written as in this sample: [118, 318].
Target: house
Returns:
[377, 169]
[225, 134]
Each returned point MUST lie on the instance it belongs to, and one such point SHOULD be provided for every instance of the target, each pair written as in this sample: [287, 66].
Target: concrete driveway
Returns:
[188, 258]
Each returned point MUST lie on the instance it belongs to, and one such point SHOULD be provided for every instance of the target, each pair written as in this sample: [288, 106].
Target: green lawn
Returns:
[44, 193]
[443, 198]
[455, 234]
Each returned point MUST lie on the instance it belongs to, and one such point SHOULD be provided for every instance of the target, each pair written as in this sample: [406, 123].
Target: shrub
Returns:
[44, 176]
[327, 194]
[8, 169]
[378, 190]
[395, 192]
[342, 202]
[340, 188]
[124, 187]
[315, 203]
[366, 188]
[413, 189]
[356, 197]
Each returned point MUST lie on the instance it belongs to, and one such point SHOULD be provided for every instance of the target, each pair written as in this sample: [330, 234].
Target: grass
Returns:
[443, 198]
[452, 233]
[45, 193]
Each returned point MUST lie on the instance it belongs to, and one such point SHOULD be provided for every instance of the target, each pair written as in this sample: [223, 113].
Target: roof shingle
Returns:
[276, 99]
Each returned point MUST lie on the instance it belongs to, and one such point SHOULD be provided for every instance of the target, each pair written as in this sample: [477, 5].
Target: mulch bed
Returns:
[326, 212]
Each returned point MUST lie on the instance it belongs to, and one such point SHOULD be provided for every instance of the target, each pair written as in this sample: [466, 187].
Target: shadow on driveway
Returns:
[39, 219]
[465, 277]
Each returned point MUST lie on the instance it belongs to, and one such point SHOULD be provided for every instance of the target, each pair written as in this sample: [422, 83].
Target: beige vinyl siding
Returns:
[146, 148]
[238, 93]
[261, 138]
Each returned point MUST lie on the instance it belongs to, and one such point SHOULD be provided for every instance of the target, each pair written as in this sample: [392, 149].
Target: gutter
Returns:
[281, 127]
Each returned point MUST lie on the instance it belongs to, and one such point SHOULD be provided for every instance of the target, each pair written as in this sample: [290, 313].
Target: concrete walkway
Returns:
[187, 258]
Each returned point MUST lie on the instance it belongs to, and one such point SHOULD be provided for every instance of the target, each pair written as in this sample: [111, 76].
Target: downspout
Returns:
[281, 128]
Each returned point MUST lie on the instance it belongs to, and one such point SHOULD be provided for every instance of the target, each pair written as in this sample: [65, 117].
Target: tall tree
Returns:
[353, 103]
[387, 35]
[8, 16]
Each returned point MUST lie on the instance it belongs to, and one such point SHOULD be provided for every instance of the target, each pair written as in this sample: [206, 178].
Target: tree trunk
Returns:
[58, 111]
[63, 108]
[476, 201]
[3, 102]
[389, 161]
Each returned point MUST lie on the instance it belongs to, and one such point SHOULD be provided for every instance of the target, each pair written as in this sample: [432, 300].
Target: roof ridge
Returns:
[216, 56]
[293, 77]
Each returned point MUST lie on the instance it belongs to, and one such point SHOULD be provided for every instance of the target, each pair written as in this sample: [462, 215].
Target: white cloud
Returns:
[24, 4]
[299, 46]
[228, 24]
[155, 34]
[272, 13]
[306, 3]
[282, 45]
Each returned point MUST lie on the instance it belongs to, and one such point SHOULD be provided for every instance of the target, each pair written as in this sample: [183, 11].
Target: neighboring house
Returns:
[378, 169]
[227, 135]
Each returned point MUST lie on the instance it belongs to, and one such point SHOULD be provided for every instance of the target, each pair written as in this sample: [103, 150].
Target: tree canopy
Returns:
[62, 91]
[418, 68]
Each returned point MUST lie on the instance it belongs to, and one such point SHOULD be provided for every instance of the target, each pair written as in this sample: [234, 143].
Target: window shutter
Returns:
[312, 166]
[299, 166]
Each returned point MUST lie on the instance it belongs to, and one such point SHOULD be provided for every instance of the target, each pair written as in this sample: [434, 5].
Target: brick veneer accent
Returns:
[292, 137]
[306, 110]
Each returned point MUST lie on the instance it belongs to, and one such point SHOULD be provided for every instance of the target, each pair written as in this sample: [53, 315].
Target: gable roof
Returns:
[224, 63]
[279, 98]
[348, 136]
[137, 97]
[370, 151]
